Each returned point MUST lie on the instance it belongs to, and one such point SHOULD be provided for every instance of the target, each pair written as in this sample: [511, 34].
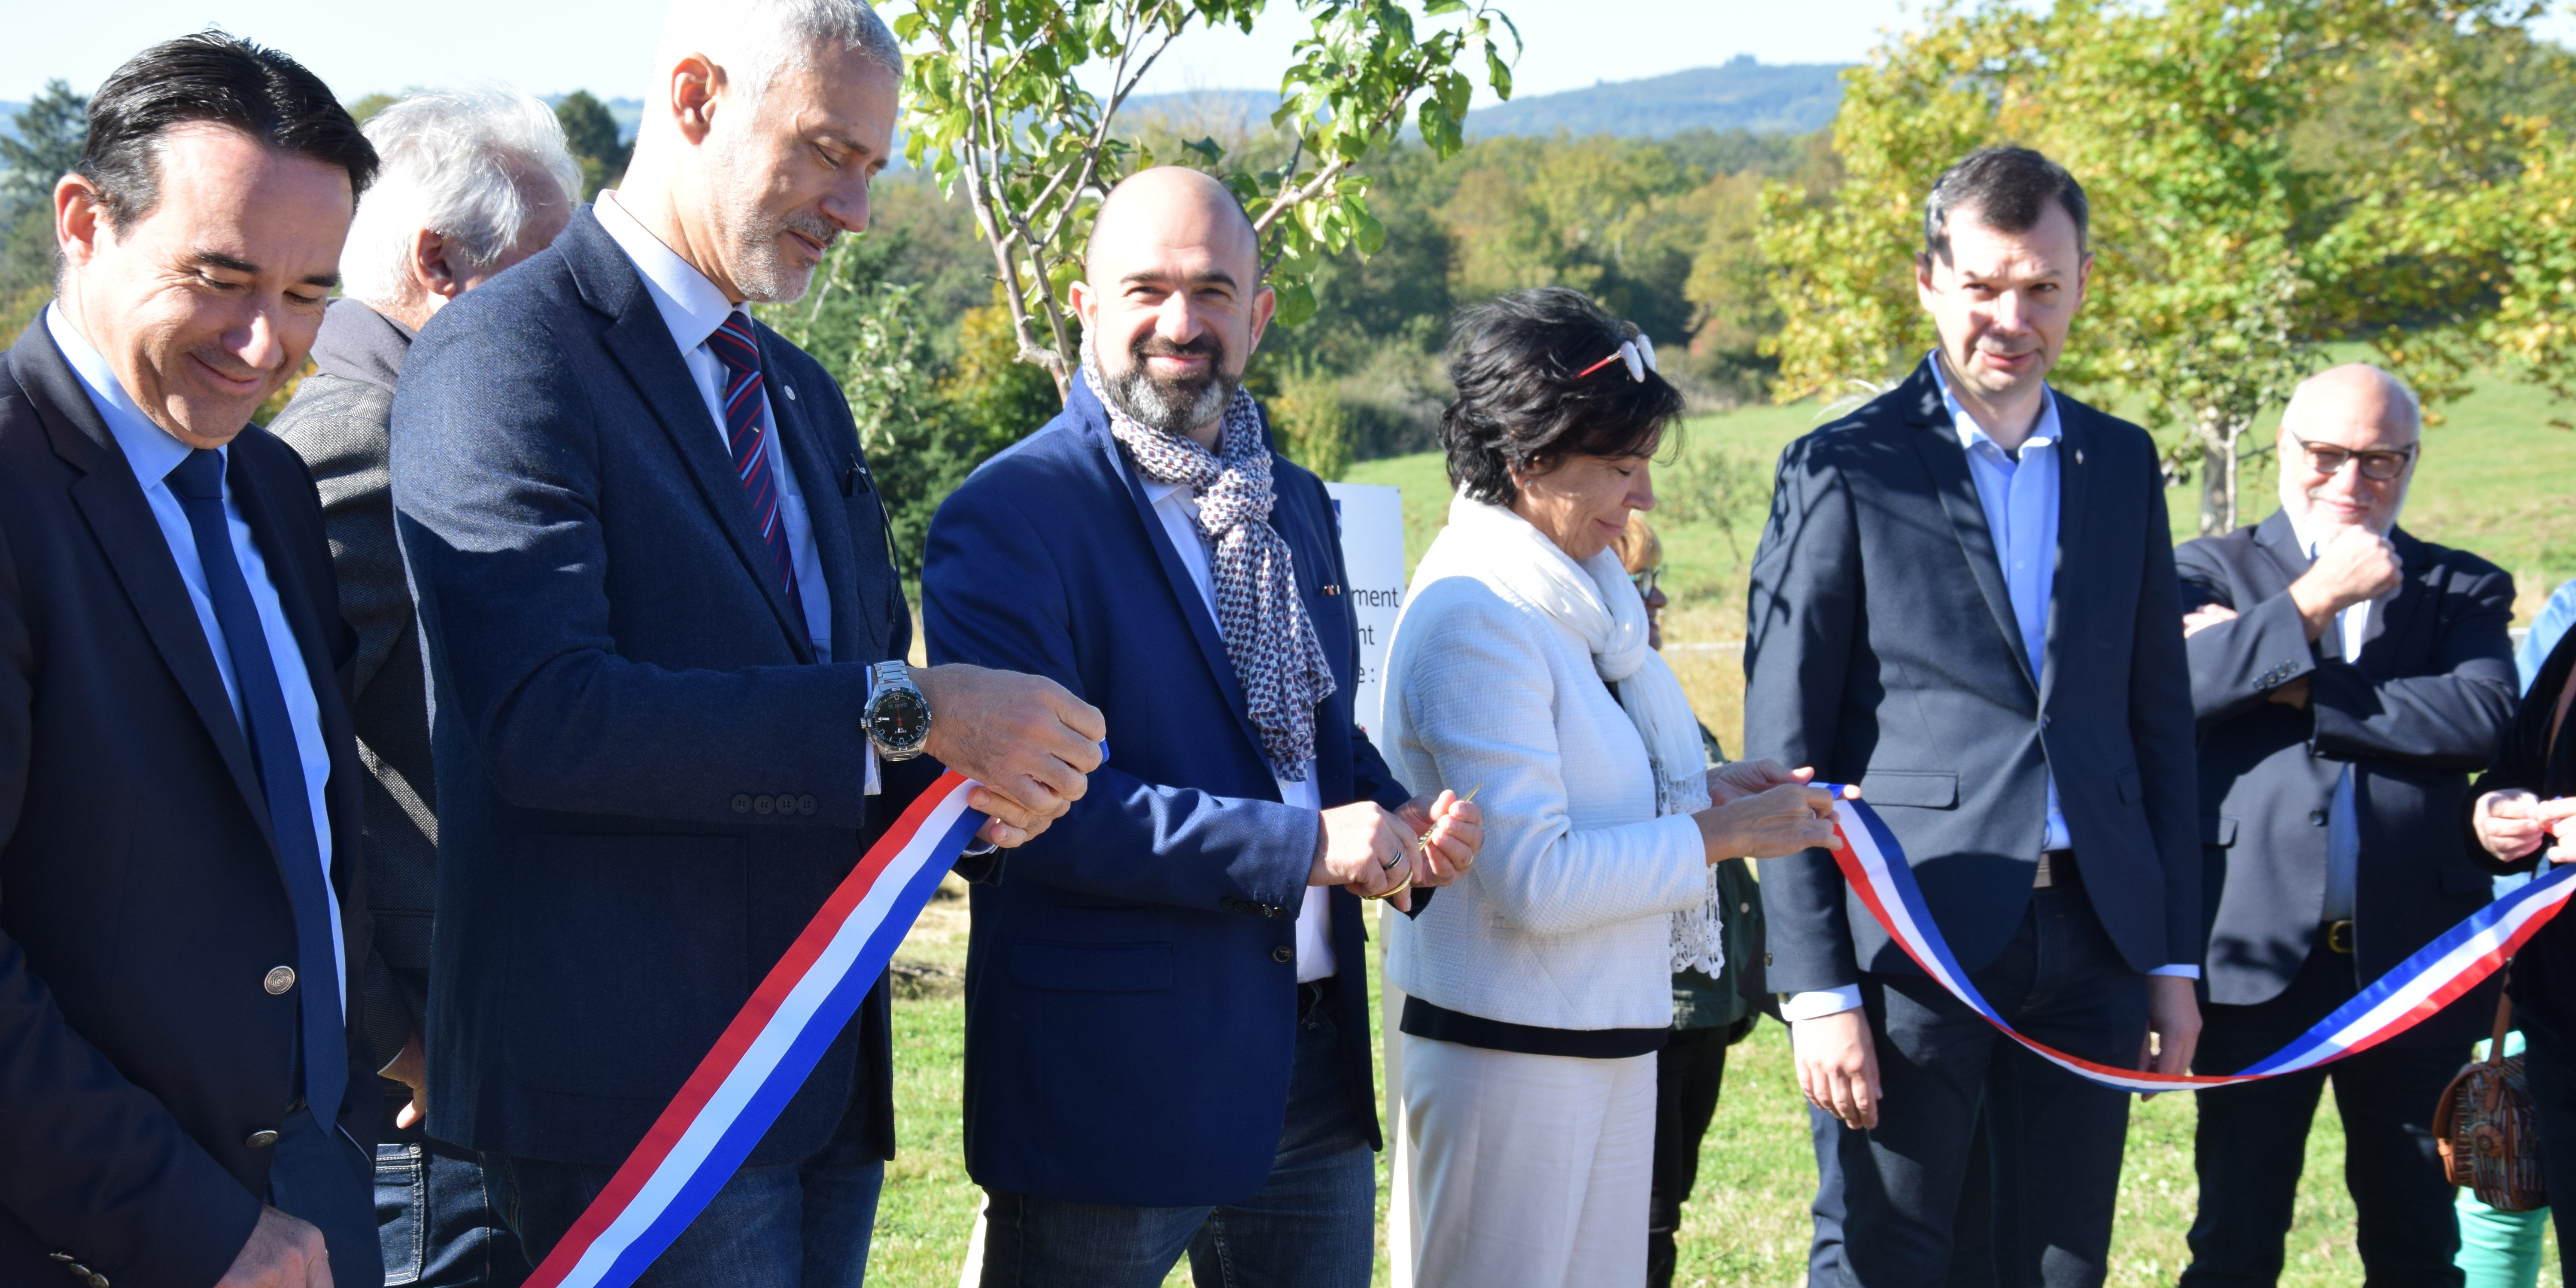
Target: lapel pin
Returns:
[1332, 588]
[2079, 452]
[791, 397]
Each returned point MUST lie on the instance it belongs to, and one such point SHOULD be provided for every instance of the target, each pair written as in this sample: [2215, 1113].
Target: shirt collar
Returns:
[2043, 434]
[150, 451]
[691, 305]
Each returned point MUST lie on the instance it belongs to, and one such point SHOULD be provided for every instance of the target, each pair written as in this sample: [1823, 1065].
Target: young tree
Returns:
[590, 133]
[2228, 244]
[994, 108]
[51, 130]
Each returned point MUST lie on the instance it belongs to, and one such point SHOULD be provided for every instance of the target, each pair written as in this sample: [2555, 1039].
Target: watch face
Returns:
[899, 718]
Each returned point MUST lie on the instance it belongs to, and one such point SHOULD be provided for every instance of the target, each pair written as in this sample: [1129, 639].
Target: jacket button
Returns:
[278, 980]
[1744, 907]
[261, 1139]
[2043, 719]
[1283, 954]
[2317, 816]
[807, 805]
[742, 803]
[764, 804]
[1766, 959]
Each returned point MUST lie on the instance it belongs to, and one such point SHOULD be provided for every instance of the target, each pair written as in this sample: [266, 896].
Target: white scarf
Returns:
[1597, 601]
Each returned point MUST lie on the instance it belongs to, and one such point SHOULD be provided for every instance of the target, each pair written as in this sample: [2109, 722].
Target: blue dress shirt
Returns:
[152, 453]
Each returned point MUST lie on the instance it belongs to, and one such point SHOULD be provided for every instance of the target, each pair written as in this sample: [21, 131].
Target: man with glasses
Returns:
[2347, 679]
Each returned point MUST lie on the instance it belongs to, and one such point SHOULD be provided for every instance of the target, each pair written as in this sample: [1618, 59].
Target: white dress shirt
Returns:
[152, 453]
[1178, 508]
[2343, 816]
[693, 308]
[2019, 492]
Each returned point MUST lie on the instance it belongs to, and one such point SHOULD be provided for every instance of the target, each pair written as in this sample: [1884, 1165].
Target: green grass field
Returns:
[2496, 479]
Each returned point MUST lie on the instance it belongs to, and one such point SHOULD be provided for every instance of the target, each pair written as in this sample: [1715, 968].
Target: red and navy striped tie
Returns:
[745, 406]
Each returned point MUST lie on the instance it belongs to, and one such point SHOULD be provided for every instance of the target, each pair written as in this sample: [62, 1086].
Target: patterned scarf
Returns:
[1268, 636]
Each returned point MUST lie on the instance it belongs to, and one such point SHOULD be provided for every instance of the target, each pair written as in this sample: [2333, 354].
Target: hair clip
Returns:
[1639, 354]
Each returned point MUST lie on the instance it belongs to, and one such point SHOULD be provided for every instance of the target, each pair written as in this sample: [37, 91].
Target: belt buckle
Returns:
[2339, 936]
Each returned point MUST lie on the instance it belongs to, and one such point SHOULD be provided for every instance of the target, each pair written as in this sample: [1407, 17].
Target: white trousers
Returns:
[1523, 1171]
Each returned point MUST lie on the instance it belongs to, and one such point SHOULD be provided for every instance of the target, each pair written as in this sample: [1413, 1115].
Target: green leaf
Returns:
[1296, 304]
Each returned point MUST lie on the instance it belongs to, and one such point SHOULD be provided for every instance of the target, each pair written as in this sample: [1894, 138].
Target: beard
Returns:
[763, 269]
[1177, 406]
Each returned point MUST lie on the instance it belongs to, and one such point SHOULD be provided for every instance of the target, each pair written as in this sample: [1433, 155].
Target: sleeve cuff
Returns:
[875, 780]
[2186, 972]
[1821, 1003]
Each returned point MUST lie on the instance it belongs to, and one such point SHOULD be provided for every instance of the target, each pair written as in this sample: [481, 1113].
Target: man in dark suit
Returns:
[2348, 679]
[665, 640]
[473, 183]
[1965, 602]
[181, 1100]
[1167, 1045]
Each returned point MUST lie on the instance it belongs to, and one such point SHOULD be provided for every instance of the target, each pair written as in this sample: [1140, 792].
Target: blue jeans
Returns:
[1313, 1225]
[437, 1222]
[788, 1225]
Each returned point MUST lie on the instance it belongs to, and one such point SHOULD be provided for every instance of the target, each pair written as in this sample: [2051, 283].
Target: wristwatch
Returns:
[897, 717]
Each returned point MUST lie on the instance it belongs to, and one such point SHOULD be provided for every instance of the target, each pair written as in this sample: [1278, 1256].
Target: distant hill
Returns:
[1791, 98]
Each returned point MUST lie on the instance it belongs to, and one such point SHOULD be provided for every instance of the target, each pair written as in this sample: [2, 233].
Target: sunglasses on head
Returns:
[1639, 354]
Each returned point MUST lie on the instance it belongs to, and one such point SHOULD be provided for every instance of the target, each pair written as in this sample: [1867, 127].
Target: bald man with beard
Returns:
[1167, 1046]
[2347, 678]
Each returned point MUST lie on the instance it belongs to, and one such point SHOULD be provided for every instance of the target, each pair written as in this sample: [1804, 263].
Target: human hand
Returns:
[1452, 831]
[2353, 565]
[2204, 617]
[1737, 779]
[2512, 824]
[1026, 741]
[2173, 1027]
[1769, 824]
[1838, 1066]
[411, 1069]
[282, 1253]
[1362, 847]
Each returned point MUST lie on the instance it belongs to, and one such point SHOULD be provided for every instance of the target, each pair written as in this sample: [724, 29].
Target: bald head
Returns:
[2363, 421]
[1171, 299]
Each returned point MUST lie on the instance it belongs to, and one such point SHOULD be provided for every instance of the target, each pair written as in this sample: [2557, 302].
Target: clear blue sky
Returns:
[361, 46]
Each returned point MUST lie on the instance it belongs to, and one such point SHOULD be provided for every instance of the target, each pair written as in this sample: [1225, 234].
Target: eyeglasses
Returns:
[2378, 467]
[1639, 354]
[1647, 581]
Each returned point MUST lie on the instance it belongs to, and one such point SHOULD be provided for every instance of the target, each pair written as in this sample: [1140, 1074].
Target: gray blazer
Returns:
[337, 422]
[2426, 706]
[1883, 651]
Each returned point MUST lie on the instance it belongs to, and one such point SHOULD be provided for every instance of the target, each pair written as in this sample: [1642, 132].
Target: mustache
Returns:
[812, 225]
[1154, 346]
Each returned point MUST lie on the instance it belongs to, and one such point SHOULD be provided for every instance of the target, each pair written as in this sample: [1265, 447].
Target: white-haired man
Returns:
[2347, 680]
[473, 182]
[666, 637]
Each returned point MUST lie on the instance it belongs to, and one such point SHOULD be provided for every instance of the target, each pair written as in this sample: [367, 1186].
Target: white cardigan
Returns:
[1565, 920]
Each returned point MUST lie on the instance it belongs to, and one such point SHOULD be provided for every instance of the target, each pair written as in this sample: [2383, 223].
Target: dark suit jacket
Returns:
[1131, 993]
[2421, 710]
[2544, 972]
[338, 422]
[141, 903]
[1883, 651]
[622, 694]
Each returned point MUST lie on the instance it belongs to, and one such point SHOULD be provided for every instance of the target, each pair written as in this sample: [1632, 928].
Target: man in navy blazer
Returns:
[654, 582]
[1965, 602]
[183, 1099]
[1167, 1045]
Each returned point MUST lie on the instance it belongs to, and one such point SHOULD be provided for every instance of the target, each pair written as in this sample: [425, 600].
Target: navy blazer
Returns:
[141, 905]
[646, 786]
[1883, 650]
[2424, 707]
[1131, 981]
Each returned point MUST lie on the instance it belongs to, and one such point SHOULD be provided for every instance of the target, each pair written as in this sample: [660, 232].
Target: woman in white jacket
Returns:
[1539, 985]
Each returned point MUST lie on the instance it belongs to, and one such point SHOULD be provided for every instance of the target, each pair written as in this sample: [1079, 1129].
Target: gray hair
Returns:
[755, 40]
[471, 165]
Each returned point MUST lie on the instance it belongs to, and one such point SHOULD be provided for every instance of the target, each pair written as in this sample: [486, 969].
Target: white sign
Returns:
[1372, 519]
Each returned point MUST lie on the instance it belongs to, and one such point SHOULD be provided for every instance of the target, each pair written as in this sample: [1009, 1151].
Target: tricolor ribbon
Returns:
[1874, 865]
[768, 1050]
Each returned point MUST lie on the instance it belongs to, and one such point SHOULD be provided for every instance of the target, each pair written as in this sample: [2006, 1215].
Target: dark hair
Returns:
[2009, 189]
[219, 78]
[1520, 403]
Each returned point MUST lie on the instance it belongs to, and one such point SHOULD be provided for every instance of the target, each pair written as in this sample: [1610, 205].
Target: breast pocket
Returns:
[1921, 789]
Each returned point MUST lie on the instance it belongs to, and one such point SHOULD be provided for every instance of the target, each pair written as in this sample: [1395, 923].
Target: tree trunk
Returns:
[2218, 433]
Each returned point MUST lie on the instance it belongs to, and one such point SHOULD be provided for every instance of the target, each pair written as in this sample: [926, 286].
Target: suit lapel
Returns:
[1176, 574]
[111, 501]
[298, 598]
[806, 451]
[2280, 541]
[642, 344]
[2066, 585]
[1937, 441]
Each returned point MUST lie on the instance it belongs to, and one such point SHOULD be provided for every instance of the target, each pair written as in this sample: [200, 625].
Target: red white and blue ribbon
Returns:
[1874, 865]
[768, 1050]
